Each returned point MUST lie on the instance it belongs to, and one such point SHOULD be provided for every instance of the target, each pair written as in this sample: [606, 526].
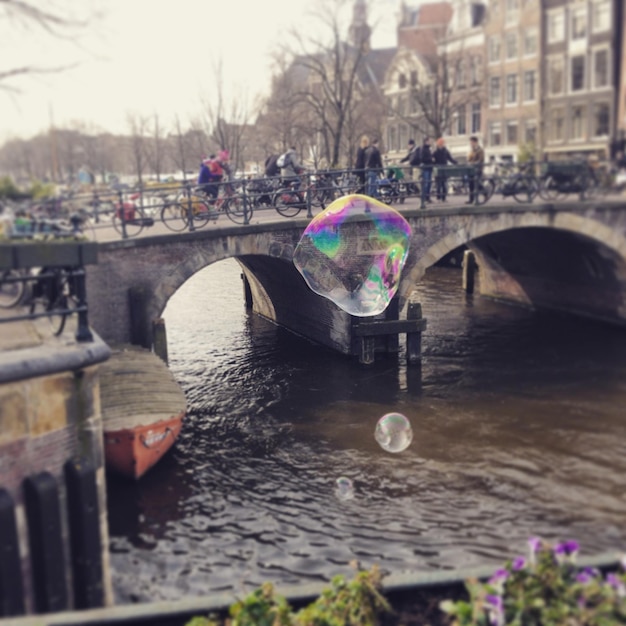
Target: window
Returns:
[601, 116]
[512, 11]
[413, 78]
[511, 133]
[600, 15]
[401, 81]
[530, 81]
[460, 75]
[511, 46]
[511, 89]
[403, 136]
[555, 76]
[494, 49]
[531, 39]
[600, 68]
[579, 22]
[494, 91]
[392, 137]
[578, 73]
[556, 26]
[475, 70]
[495, 134]
[557, 125]
[461, 121]
[476, 117]
[531, 132]
[578, 122]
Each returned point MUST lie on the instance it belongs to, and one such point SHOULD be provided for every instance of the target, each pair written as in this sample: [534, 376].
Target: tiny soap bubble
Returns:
[344, 488]
[393, 432]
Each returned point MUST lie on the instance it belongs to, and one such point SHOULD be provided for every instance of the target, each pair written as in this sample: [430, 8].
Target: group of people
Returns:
[369, 164]
[368, 167]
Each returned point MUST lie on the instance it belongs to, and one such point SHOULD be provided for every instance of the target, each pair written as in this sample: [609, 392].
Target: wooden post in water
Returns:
[159, 336]
[414, 339]
[247, 292]
[469, 270]
[140, 326]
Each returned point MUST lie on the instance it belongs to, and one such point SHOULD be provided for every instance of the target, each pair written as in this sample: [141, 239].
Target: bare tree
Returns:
[155, 148]
[27, 13]
[137, 144]
[331, 69]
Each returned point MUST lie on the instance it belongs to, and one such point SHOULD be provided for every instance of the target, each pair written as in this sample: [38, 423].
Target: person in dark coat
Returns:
[373, 167]
[426, 158]
[442, 156]
[359, 163]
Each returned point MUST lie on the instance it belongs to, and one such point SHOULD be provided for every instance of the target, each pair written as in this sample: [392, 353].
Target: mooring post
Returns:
[368, 350]
[140, 326]
[247, 292]
[159, 339]
[414, 339]
[469, 270]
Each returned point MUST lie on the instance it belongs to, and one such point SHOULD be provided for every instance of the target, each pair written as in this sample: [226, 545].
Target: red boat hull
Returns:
[133, 451]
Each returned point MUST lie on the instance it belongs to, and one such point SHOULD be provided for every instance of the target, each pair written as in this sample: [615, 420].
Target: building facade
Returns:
[580, 55]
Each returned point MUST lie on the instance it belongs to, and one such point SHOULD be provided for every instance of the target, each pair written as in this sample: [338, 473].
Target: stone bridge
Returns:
[565, 256]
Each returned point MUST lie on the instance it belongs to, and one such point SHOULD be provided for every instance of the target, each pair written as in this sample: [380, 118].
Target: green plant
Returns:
[356, 603]
[39, 190]
[8, 188]
[526, 152]
[545, 589]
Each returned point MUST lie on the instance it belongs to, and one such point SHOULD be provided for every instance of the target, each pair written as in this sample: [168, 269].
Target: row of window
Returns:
[512, 91]
[529, 45]
[461, 72]
[579, 73]
[580, 19]
[578, 123]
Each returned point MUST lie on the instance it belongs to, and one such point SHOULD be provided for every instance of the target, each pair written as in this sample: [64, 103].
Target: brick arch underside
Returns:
[578, 266]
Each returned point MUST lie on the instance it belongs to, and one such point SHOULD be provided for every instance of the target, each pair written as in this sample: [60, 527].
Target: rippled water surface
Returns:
[519, 429]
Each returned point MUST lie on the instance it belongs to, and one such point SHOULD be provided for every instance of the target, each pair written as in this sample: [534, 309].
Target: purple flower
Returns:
[496, 609]
[617, 584]
[534, 543]
[567, 548]
[586, 575]
[499, 576]
[519, 563]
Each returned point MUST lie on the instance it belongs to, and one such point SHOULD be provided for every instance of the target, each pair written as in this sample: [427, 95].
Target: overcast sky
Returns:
[147, 56]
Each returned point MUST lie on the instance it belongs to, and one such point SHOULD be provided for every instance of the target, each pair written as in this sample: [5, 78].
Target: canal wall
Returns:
[53, 525]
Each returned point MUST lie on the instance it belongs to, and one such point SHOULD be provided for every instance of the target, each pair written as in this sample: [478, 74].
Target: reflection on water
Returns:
[518, 430]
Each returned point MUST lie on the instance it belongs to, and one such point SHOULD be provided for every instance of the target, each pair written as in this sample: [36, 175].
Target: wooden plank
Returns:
[389, 327]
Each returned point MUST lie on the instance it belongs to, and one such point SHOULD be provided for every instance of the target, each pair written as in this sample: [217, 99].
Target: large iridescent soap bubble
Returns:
[353, 253]
[393, 432]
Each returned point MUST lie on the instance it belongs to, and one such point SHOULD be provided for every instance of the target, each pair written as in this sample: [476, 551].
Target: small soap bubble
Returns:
[353, 253]
[344, 488]
[393, 432]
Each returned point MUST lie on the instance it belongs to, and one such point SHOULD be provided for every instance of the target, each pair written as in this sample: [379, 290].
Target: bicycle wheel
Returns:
[288, 202]
[525, 189]
[53, 294]
[11, 289]
[484, 190]
[174, 217]
[132, 220]
[237, 211]
[550, 189]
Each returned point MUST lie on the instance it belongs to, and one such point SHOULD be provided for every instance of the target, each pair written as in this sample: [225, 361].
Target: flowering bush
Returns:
[546, 588]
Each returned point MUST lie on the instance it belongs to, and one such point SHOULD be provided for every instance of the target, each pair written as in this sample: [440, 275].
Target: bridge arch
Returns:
[602, 249]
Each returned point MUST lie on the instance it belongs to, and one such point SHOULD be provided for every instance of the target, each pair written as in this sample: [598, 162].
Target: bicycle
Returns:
[129, 218]
[195, 207]
[521, 185]
[54, 295]
[12, 288]
[560, 179]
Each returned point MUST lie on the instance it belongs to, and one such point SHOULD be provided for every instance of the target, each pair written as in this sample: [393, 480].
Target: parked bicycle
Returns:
[520, 184]
[129, 218]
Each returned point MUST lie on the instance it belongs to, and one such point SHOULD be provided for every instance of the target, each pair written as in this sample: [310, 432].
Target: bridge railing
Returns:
[127, 211]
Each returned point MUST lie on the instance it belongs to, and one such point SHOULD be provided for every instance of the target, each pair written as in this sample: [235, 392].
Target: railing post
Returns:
[83, 333]
[422, 189]
[309, 212]
[189, 207]
[122, 213]
[245, 199]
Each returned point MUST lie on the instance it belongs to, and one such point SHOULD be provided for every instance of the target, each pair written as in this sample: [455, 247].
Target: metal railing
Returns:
[188, 206]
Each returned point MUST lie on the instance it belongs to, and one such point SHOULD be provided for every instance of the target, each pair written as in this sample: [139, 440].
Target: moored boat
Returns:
[142, 410]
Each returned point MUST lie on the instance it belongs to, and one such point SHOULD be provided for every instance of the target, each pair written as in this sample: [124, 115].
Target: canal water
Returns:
[519, 430]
